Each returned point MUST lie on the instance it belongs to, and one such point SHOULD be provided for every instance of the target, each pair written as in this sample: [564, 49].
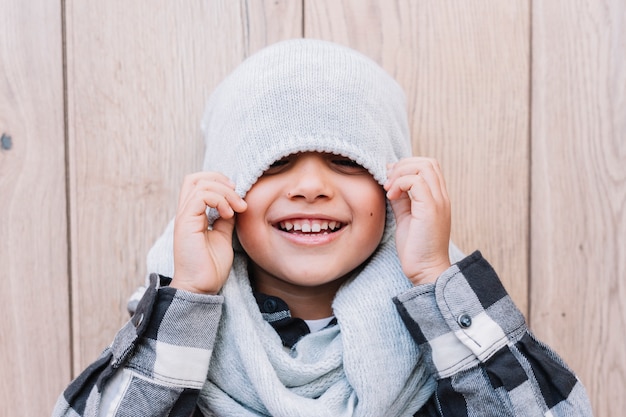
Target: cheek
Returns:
[380, 217]
[245, 225]
[251, 243]
[248, 224]
[375, 210]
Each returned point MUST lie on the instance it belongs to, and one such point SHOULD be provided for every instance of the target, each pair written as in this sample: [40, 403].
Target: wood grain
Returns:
[465, 68]
[35, 332]
[483, 94]
[579, 191]
[138, 77]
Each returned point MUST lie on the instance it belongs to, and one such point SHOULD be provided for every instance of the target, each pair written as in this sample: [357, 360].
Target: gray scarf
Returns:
[367, 365]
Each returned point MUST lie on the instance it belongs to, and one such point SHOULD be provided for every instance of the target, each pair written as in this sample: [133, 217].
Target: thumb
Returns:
[224, 226]
[400, 206]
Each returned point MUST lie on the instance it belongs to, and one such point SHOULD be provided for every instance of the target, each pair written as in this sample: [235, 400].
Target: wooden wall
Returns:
[524, 104]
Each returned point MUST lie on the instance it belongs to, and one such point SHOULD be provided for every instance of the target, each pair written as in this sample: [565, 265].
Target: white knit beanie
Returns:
[304, 95]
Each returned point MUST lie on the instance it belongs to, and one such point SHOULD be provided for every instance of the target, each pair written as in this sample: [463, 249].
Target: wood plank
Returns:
[139, 74]
[35, 333]
[579, 191]
[465, 68]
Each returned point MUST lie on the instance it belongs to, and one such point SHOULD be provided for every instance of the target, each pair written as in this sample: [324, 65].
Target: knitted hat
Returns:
[304, 95]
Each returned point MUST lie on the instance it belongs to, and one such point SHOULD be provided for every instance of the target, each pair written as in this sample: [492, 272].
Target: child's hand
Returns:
[203, 257]
[418, 196]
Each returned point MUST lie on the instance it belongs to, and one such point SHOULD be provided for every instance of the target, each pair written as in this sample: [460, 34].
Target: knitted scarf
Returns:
[367, 365]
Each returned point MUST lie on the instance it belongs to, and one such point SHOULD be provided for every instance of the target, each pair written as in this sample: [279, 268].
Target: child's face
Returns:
[311, 219]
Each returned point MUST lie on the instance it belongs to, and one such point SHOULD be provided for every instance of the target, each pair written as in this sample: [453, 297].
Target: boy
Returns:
[320, 282]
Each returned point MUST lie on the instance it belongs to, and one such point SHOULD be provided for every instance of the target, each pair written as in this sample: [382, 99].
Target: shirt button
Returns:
[138, 320]
[464, 320]
[269, 305]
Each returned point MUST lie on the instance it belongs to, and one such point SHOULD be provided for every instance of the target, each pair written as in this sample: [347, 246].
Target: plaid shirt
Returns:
[474, 340]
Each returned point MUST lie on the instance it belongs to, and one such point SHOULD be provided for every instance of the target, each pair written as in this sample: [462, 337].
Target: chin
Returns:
[314, 280]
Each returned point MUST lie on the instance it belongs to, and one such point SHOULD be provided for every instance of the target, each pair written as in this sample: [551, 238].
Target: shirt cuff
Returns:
[462, 319]
[175, 336]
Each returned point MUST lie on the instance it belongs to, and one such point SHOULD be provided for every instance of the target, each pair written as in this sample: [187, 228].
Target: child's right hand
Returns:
[203, 257]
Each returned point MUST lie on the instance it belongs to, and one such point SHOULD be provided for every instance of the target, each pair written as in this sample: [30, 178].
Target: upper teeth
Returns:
[309, 226]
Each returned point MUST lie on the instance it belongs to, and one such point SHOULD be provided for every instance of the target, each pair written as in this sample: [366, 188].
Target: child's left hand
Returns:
[418, 196]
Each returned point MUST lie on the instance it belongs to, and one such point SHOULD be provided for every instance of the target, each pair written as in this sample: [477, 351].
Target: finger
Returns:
[224, 200]
[407, 171]
[191, 181]
[227, 190]
[414, 164]
[412, 195]
[415, 186]
[428, 168]
[220, 185]
[224, 225]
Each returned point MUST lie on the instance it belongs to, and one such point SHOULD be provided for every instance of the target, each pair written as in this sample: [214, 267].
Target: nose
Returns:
[310, 179]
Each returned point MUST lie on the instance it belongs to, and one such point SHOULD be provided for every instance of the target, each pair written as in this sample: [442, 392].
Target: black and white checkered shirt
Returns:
[474, 340]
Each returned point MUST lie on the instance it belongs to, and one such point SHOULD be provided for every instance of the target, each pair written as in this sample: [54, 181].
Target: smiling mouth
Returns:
[305, 226]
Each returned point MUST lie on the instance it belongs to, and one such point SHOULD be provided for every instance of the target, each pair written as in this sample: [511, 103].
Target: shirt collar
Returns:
[276, 312]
